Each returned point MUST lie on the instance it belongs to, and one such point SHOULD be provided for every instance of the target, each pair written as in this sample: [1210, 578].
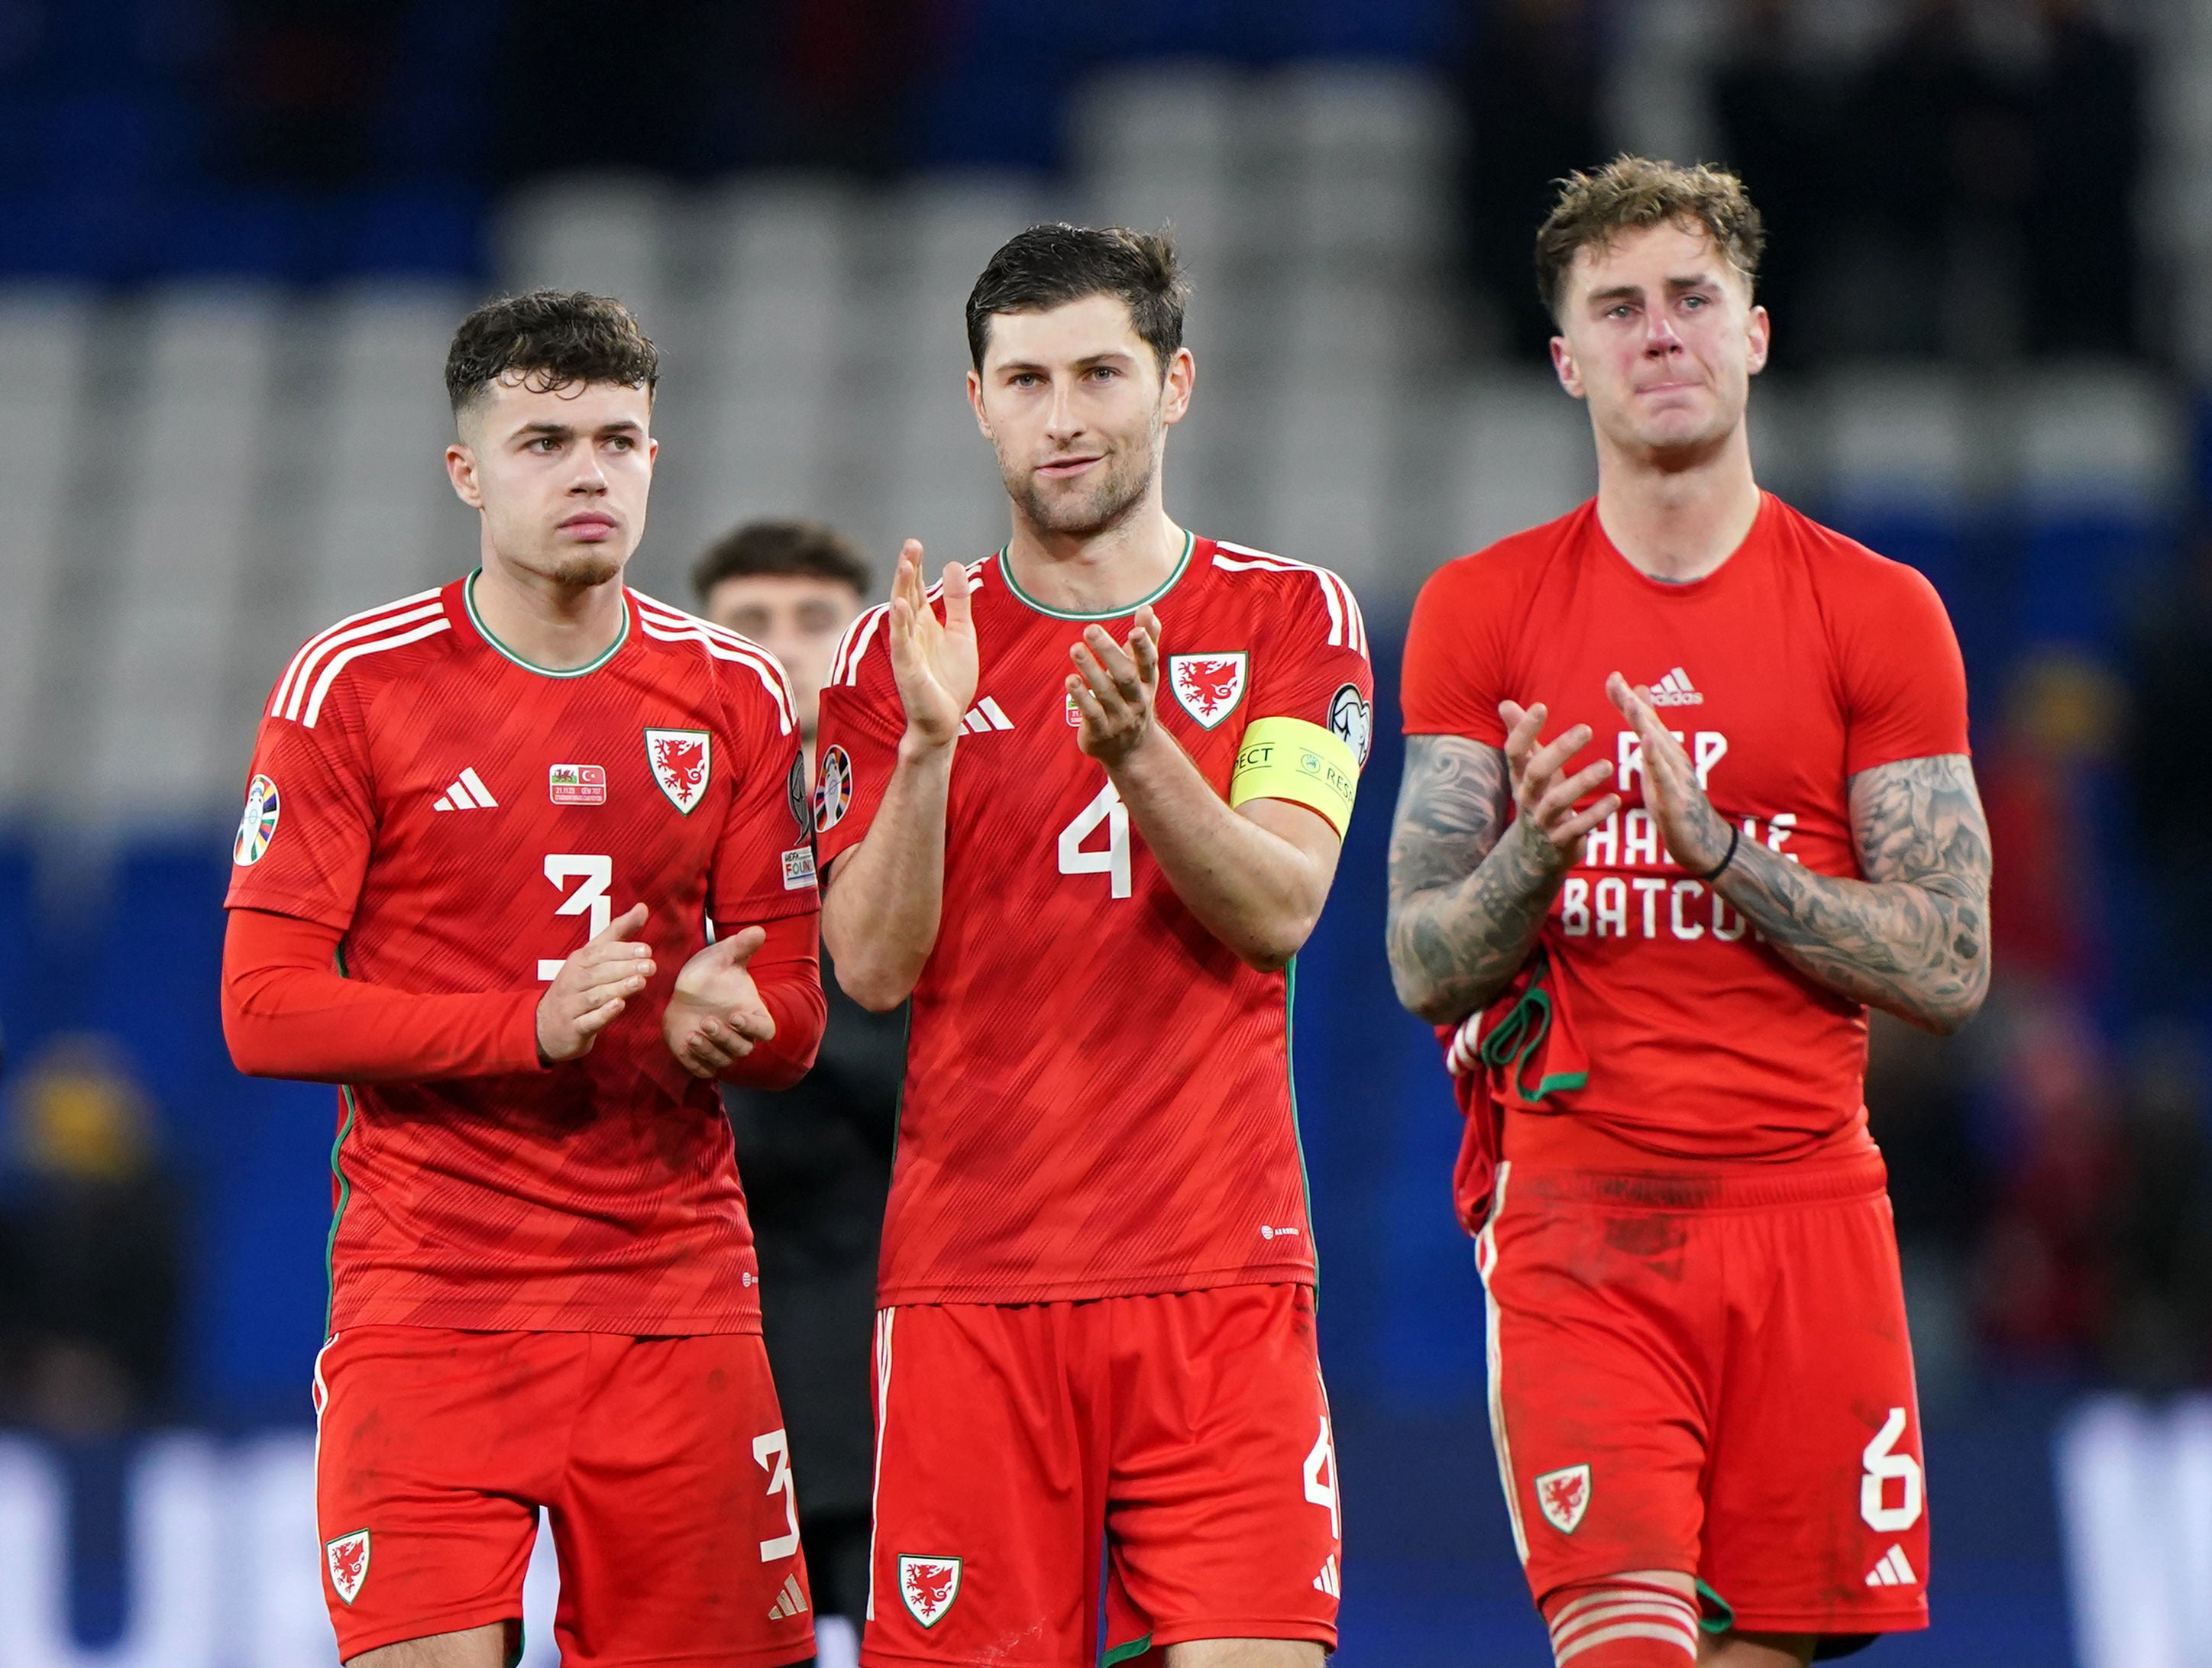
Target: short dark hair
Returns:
[1631, 192]
[803, 550]
[556, 338]
[1050, 265]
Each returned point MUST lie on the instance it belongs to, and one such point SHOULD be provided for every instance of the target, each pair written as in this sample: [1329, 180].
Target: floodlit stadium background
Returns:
[236, 234]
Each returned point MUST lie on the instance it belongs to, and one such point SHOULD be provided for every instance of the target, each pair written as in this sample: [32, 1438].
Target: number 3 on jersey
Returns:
[1114, 861]
[597, 878]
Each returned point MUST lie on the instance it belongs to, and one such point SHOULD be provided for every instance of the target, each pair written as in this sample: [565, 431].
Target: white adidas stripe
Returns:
[1893, 1571]
[1347, 627]
[664, 624]
[292, 690]
[845, 661]
[985, 714]
[885, 1318]
[368, 617]
[338, 662]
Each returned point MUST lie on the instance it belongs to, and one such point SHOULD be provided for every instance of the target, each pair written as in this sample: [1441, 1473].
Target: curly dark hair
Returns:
[803, 550]
[557, 338]
[1631, 192]
[1051, 264]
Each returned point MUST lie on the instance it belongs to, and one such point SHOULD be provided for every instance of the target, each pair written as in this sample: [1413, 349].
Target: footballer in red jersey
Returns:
[1687, 790]
[489, 833]
[1086, 820]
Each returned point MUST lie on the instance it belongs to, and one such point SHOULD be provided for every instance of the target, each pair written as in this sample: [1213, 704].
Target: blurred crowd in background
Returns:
[1989, 191]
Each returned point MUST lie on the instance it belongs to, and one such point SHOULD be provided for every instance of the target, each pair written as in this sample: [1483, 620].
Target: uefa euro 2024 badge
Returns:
[258, 826]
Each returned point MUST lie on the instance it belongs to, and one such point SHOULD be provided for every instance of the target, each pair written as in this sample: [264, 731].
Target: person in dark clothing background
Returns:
[815, 1159]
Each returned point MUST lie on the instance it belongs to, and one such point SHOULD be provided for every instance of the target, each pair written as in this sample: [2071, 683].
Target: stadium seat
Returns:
[607, 232]
[45, 350]
[190, 470]
[380, 520]
[1519, 455]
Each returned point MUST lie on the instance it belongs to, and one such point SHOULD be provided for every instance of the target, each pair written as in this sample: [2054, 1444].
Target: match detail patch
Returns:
[576, 785]
[799, 868]
[1282, 758]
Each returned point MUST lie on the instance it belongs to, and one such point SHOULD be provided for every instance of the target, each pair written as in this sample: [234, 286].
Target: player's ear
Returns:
[1181, 377]
[1562, 361]
[1760, 331]
[461, 471]
[976, 402]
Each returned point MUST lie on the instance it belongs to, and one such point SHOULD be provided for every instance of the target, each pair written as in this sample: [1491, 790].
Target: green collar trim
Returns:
[1007, 567]
[469, 601]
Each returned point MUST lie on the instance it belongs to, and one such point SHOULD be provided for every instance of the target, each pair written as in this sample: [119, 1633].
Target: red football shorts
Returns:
[660, 1462]
[1710, 1374]
[1178, 1446]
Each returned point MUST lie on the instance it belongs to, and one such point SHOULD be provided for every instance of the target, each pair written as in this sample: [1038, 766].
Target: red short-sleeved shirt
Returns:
[1803, 660]
[468, 820]
[1097, 1097]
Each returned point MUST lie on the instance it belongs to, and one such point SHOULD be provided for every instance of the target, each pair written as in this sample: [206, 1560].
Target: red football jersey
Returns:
[1097, 1099]
[468, 820]
[1803, 660]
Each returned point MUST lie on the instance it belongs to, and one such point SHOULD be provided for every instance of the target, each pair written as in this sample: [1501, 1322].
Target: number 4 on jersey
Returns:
[1114, 861]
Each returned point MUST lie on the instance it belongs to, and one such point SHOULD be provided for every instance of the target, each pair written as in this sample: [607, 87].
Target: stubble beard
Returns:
[583, 571]
[1121, 487]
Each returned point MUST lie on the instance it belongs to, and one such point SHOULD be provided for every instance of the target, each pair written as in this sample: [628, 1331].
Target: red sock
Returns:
[1621, 1622]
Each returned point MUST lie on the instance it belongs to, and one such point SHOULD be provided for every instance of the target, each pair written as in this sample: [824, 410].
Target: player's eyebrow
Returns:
[560, 431]
[1676, 286]
[1022, 366]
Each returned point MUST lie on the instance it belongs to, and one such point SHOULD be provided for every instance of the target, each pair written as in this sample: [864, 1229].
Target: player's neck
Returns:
[1677, 524]
[555, 626]
[1107, 572]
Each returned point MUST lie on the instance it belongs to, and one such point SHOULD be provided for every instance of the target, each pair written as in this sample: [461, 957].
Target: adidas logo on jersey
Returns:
[985, 715]
[1893, 1571]
[468, 793]
[1675, 689]
[1327, 1581]
[789, 1603]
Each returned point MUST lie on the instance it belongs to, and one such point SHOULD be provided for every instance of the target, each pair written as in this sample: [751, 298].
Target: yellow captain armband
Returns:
[1290, 759]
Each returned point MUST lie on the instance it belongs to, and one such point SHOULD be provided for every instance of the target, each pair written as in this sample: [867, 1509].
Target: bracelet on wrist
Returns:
[1735, 833]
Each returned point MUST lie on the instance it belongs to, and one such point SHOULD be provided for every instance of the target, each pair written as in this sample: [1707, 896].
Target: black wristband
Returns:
[1736, 833]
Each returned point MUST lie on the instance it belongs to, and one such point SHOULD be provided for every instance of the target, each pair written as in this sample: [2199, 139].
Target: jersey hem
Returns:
[1241, 1627]
[1825, 1624]
[451, 1619]
[1085, 1291]
[1583, 1137]
[459, 1318]
[1816, 1181]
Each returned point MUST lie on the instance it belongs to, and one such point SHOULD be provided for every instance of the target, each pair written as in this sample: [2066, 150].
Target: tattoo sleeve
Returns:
[1465, 905]
[1913, 937]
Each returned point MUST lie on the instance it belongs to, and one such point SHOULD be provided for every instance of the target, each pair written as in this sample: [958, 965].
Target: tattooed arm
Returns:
[1469, 888]
[1913, 936]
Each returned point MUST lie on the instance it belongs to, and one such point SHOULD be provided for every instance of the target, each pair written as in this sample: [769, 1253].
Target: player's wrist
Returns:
[918, 747]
